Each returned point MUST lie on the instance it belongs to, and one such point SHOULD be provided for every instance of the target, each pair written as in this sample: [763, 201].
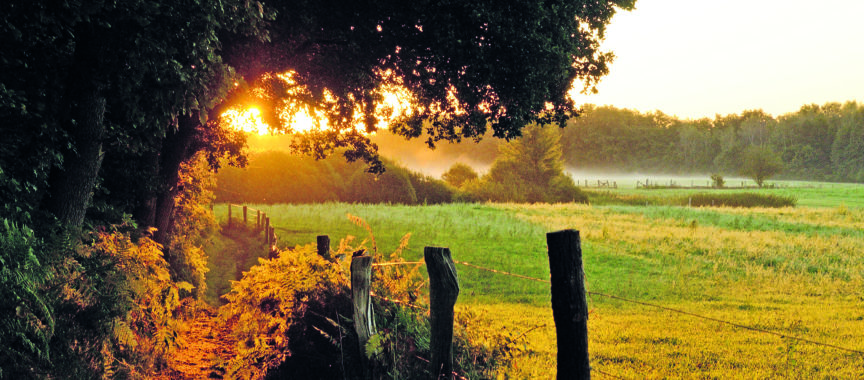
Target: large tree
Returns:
[136, 87]
[759, 163]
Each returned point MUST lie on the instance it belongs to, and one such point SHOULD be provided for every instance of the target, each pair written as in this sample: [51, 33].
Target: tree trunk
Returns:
[145, 210]
[72, 186]
[175, 150]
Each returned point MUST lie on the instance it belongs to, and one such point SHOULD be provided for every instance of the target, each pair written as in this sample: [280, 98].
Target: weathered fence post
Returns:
[229, 216]
[258, 220]
[267, 230]
[324, 247]
[569, 305]
[364, 320]
[443, 291]
[245, 221]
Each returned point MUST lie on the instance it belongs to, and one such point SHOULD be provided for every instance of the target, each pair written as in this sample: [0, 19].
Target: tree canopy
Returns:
[91, 91]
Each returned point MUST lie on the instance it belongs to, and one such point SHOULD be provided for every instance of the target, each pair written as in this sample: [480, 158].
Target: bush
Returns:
[393, 186]
[737, 200]
[292, 316]
[115, 306]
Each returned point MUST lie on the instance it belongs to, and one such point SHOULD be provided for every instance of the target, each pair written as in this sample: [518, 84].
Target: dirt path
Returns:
[204, 345]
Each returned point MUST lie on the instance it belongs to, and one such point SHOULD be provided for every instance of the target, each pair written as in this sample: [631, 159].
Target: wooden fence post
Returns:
[324, 247]
[229, 216]
[245, 221]
[443, 292]
[258, 220]
[569, 305]
[267, 230]
[364, 319]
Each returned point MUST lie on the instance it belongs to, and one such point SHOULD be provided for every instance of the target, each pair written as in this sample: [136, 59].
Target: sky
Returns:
[699, 58]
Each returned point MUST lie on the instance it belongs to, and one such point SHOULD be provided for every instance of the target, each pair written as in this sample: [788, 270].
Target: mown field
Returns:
[795, 271]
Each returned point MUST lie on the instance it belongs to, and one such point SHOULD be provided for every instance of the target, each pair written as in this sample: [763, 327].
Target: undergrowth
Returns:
[716, 199]
[292, 316]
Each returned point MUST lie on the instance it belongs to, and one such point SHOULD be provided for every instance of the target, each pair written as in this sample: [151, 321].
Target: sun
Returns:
[247, 120]
[395, 104]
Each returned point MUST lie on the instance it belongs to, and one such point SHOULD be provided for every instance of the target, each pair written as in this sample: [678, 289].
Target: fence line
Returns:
[643, 303]
[395, 263]
[411, 305]
[501, 272]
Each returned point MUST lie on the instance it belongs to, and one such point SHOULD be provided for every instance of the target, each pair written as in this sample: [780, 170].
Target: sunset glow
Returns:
[396, 103]
[247, 120]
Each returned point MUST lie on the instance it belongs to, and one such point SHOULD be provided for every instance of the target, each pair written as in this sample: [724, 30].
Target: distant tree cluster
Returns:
[815, 143]
[528, 169]
[281, 177]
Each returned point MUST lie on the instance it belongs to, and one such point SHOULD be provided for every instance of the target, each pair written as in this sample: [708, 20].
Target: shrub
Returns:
[737, 200]
[115, 306]
[393, 186]
[292, 317]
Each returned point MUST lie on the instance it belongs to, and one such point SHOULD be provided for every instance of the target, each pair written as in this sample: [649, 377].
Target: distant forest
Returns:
[815, 143]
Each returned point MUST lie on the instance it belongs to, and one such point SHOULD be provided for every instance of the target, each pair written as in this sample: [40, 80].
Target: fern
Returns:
[27, 324]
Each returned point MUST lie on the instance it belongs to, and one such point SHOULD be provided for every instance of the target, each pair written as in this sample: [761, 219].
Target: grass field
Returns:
[795, 271]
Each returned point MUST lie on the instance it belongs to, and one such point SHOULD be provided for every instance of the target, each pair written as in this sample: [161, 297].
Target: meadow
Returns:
[794, 271]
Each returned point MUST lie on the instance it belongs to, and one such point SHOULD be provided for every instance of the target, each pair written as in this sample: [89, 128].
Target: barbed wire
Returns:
[607, 374]
[398, 301]
[643, 303]
[393, 263]
[501, 272]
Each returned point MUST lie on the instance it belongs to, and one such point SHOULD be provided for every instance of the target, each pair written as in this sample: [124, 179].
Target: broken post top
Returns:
[442, 270]
[323, 246]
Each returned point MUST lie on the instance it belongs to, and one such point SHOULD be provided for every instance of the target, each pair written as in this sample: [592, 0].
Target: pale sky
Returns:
[698, 58]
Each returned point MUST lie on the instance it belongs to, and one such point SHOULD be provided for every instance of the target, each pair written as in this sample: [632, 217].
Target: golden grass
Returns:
[806, 286]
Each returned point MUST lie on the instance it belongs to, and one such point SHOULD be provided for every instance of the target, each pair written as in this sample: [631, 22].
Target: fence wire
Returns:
[643, 303]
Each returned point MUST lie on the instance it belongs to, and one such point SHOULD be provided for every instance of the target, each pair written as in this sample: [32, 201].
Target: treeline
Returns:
[815, 143]
[280, 177]
[529, 169]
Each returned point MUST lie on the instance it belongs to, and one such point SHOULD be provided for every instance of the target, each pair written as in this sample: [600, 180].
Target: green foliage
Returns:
[760, 164]
[391, 186]
[458, 174]
[113, 303]
[737, 200]
[292, 317]
[280, 177]
[529, 169]
[27, 322]
[194, 225]
[717, 181]
[273, 310]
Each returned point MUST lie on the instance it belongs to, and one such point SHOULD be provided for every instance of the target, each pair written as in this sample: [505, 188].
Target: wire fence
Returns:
[674, 310]
[628, 300]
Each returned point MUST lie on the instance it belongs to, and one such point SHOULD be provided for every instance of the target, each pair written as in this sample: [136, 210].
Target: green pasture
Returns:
[796, 270]
[811, 194]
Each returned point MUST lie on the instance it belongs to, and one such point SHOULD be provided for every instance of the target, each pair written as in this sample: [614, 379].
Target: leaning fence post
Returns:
[324, 246]
[443, 291]
[364, 320]
[569, 306]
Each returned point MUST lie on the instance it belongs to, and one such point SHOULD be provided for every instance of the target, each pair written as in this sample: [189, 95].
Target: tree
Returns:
[760, 164]
[531, 169]
[147, 80]
[458, 174]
